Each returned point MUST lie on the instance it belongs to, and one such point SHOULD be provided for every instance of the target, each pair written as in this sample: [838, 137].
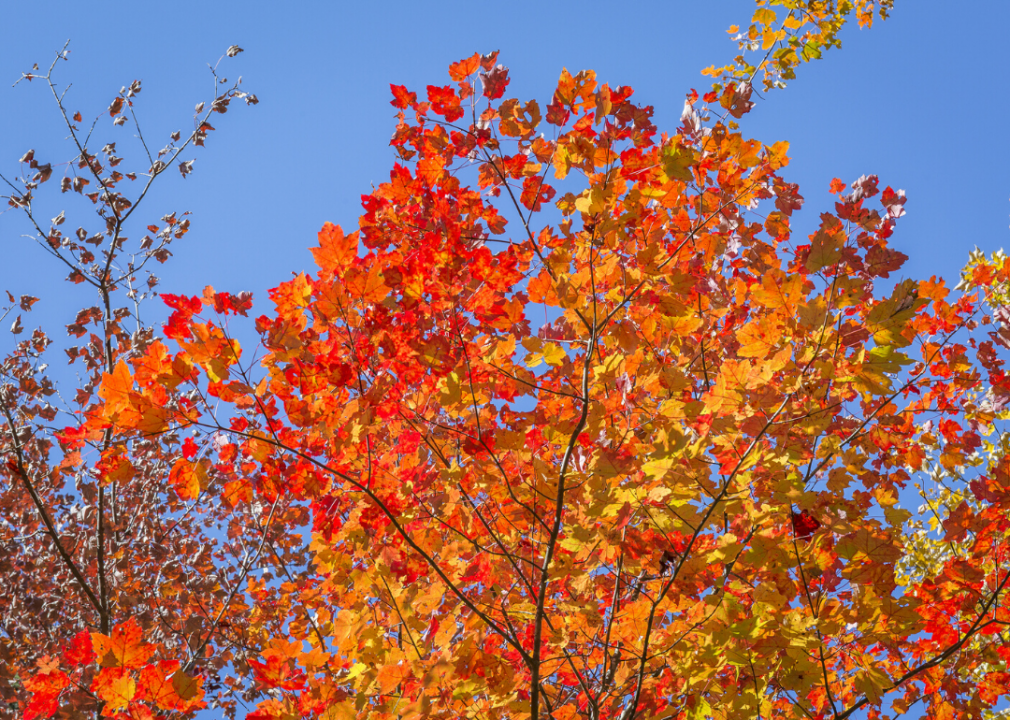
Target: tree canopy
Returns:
[572, 425]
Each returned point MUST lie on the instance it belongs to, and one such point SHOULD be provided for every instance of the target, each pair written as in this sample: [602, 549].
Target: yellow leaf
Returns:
[339, 711]
[779, 291]
[452, 390]
[657, 469]
[301, 290]
[554, 354]
[792, 23]
[872, 683]
[186, 686]
[678, 161]
[356, 670]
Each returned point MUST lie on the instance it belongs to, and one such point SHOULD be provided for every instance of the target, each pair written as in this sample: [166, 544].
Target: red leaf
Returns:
[557, 113]
[45, 689]
[804, 525]
[80, 650]
[402, 98]
[494, 82]
[444, 101]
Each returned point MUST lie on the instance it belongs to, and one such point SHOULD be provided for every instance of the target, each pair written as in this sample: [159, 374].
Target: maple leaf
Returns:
[804, 525]
[278, 672]
[80, 650]
[115, 686]
[189, 478]
[464, 68]
[401, 98]
[494, 81]
[335, 249]
[445, 101]
[45, 688]
[123, 648]
[116, 390]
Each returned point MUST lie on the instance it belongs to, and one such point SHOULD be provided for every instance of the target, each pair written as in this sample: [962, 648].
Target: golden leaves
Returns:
[550, 353]
[759, 338]
[798, 32]
[519, 121]
[576, 92]
[678, 160]
[366, 285]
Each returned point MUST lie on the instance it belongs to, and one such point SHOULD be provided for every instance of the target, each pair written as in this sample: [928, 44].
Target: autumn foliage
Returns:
[574, 425]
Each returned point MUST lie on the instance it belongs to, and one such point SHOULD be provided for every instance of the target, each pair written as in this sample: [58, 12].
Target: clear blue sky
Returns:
[918, 100]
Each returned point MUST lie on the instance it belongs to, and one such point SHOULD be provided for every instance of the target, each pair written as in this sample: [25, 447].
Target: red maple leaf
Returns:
[804, 525]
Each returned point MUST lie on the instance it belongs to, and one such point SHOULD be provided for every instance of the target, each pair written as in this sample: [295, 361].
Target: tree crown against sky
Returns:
[579, 425]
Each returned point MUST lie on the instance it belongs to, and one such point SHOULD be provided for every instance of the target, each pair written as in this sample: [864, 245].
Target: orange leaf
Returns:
[48, 664]
[189, 478]
[431, 169]
[124, 648]
[189, 690]
[335, 249]
[115, 467]
[392, 675]
[464, 68]
[116, 390]
[115, 686]
[169, 688]
[367, 285]
[155, 684]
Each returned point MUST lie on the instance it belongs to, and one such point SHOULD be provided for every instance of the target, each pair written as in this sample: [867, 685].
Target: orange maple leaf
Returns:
[116, 390]
[115, 686]
[124, 648]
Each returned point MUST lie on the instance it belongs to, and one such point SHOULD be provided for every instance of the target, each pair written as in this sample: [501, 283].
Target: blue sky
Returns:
[916, 100]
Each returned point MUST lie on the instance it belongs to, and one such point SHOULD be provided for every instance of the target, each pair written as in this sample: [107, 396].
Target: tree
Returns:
[641, 457]
[102, 562]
